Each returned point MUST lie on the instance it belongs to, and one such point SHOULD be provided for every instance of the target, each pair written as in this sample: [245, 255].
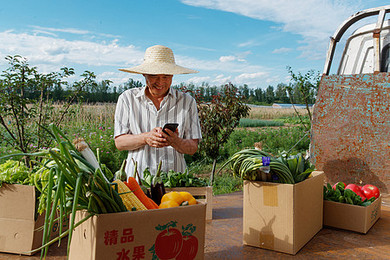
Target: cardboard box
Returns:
[141, 234]
[18, 226]
[203, 194]
[351, 217]
[282, 217]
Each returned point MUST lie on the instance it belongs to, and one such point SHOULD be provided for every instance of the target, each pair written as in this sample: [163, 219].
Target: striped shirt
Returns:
[135, 114]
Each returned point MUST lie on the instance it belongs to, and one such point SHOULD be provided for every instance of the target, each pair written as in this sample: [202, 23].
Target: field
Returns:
[273, 113]
[274, 130]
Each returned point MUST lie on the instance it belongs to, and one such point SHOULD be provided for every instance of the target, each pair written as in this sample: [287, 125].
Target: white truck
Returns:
[351, 118]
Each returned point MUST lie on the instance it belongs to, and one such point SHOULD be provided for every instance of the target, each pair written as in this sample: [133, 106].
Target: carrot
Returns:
[136, 189]
[152, 202]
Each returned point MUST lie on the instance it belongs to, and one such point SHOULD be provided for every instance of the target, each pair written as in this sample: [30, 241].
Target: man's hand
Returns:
[155, 138]
[172, 137]
[185, 146]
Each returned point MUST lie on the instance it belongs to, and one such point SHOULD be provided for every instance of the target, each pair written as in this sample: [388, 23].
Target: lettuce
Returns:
[14, 172]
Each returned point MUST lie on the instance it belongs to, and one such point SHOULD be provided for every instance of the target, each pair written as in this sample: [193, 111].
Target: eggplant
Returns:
[157, 188]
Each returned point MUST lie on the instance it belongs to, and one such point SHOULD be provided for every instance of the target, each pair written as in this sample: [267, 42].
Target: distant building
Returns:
[277, 105]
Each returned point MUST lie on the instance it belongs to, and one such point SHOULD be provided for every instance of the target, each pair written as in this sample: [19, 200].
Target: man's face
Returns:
[158, 85]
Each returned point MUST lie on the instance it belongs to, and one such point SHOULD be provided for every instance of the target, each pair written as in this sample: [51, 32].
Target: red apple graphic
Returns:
[168, 242]
[189, 248]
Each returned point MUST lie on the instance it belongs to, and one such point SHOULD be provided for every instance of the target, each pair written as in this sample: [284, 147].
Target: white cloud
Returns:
[227, 58]
[36, 32]
[314, 20]
[197, 80]
[252, 79]
[255, 75]
[50, 50]
[282, 50]
[50, 53]
[249, 43]
[238, 57]
[217, 80]
[64, 30]
[222, 79]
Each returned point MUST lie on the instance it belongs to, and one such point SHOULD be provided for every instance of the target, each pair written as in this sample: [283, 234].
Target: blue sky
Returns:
[239, 41]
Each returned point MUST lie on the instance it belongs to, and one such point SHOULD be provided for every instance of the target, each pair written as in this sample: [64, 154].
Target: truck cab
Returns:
[358, 55]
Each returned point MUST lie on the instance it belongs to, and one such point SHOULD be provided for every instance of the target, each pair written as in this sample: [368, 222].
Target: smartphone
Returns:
[170, 126]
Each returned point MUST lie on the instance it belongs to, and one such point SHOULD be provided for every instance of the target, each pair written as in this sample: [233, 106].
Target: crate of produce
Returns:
[348, 207]
[169, 233]
[283, 199]
[282, 217]
[19, 221]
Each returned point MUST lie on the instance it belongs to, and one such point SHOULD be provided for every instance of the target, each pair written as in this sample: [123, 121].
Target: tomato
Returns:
[337, 183]
[355, 188]
[370, 191]
[168, 243]
[189, 248]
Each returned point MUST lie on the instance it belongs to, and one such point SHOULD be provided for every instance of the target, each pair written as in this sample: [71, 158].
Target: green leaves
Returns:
[339, 194]
[247, 164]
[172, 179]
[218, 118]
[26, 106]
[14, 172]
[299, 167]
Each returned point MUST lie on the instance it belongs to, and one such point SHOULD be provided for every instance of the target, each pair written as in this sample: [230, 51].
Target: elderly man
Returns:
[141, 113]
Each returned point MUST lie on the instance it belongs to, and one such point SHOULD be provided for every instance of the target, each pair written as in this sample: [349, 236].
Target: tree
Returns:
[259, 95]
[269, 95]
[21, 117]
[306, 85]
[244, 90]
[218, 119]
[281, 93]
[131, 83]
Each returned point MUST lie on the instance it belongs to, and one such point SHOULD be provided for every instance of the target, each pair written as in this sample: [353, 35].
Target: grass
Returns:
[224, 181]
[247, 122]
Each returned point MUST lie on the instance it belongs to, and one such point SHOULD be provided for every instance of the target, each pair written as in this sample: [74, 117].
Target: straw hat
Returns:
[159, 59]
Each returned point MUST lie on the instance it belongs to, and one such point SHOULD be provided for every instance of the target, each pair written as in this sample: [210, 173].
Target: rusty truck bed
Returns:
[224, 238]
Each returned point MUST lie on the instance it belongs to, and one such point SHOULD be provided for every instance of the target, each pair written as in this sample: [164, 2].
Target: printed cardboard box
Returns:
[282, 217]
[18, 226]
[163, 233]
[203, 194]
[351, 217]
